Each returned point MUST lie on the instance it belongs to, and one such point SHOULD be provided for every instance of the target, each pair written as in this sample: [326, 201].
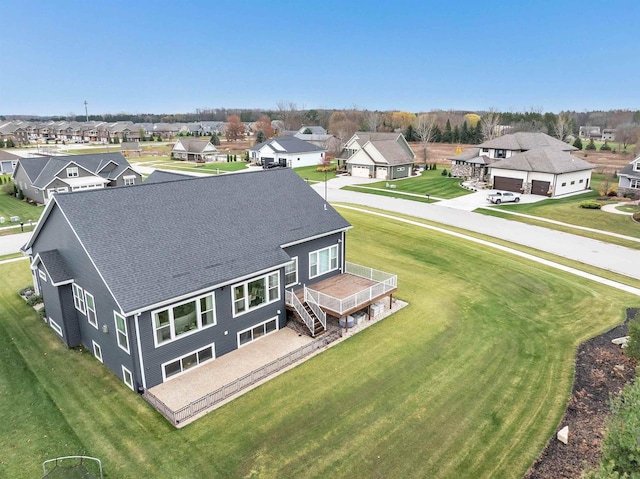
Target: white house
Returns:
[541, 171]
[287, 151]
[629, 179]
[194, 150]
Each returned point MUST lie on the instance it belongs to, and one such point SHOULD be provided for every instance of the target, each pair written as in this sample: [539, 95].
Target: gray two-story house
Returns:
[160, 278]
[39, 178]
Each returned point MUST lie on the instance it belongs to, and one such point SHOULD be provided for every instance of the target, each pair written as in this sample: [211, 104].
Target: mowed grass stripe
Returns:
[468, 381]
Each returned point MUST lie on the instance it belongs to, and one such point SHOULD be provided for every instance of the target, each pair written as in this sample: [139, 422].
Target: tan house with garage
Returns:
[386, 156]
[542, 171]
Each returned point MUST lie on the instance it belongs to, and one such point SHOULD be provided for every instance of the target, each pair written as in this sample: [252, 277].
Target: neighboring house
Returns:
[131, 148]
[386, 156]
[8, 162]
[541, 171]
[40, 178]
[287, 151]
[629, 179]
[188, 149]
[154, 288]
[590, 132]
[609, 134]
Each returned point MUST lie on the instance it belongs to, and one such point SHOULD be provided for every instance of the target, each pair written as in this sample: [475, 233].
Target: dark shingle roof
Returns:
[33, 166]
[159, 176]
[158, 241]
[526, 141]
[55, 265]
[629, 171]
[544, 160]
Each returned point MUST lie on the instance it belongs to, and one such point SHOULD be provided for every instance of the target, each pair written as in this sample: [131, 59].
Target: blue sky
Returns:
[169, 56]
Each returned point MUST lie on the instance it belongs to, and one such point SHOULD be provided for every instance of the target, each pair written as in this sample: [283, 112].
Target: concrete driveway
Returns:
[10, 244]
[479, 198]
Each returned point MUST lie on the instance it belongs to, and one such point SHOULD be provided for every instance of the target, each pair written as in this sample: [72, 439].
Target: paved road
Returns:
[12, 243]
[603, 255]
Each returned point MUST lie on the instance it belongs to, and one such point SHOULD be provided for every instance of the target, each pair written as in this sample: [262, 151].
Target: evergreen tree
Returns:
[605, 147]
[591, 145]
[448, 134]
[410, 133]
[260, 137]
[477, 134]
[215, 140]
[578, 143]
[455, 137]
[464, 133]
[437, 134]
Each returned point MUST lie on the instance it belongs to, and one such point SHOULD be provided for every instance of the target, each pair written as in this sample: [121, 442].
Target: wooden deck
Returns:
[342, 286]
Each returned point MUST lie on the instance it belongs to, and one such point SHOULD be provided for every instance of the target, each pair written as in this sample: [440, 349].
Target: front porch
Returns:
[341, 295]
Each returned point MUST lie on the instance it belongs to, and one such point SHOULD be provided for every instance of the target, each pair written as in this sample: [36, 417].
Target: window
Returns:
[72, 172]
[501, 153]
[182, 318]
[43, 275]
[91, 309]
[637, 166]
[573, 182]
[256, 293]
[581, 181]
[127, 377]
[129, 180]
[635, 184]
[121, 331]
[97, 351]
[78, 298]
[485, 150]
[291, 273]
[188, 361]
[256, 332]
[323, 261]
[55, 326]
[564, 184]
[400, 168]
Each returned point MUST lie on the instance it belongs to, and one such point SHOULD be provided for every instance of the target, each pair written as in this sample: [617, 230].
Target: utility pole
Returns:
[86, 112]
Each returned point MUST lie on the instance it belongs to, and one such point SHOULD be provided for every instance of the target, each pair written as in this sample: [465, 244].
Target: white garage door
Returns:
[360, 171]
[381, 173]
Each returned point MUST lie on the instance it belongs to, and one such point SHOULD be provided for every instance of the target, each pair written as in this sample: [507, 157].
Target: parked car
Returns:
[503, 197]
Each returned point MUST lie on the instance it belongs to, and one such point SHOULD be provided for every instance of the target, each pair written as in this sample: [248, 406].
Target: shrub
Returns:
[25, 290]
[612, 193]
[34, 299]
[636, 217]
[591, 145]
[633, 346]
[578, 143]
[444, 172]
[590, 205]
[605, 147]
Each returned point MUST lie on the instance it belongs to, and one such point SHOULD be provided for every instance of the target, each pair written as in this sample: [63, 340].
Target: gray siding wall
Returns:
[56, 310]
[302, 251]
[24, 183]
[120, 180]
[401, 171]
[56, 234]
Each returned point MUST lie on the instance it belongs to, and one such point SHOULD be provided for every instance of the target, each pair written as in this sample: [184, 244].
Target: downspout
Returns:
[140, 359]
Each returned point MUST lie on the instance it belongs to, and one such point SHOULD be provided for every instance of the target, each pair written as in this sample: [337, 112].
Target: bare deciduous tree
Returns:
[372, 119]
[342, 126]
[264, 125]
[489, 125]
[290, 115]
[235, 128]
[562, 127]
[627, 135]
[424, 130]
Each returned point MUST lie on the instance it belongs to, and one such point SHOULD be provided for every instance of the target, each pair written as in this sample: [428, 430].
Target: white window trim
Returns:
[87, 309]
[124, 377]
[95, 351]
[125, 332]
[72, 172]
[634, 184]
[170, 307]
[43, 275]
[293, 260]
[317, 252]
[129, 180]
[245, 284]
[56, 327]
[78, 298]
[180, 358]
[275, 318]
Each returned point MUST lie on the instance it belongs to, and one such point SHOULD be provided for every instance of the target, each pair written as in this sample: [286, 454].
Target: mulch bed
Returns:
[601, 370]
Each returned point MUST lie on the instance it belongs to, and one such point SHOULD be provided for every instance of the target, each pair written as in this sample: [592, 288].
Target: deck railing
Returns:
[293, 300]
[386, 282]
[211, 399]
[315, 307]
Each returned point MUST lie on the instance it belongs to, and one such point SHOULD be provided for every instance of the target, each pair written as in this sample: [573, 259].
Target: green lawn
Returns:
[568, 210]
[430, 182]
[11, 206]
[470, 380]
[310, 173]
